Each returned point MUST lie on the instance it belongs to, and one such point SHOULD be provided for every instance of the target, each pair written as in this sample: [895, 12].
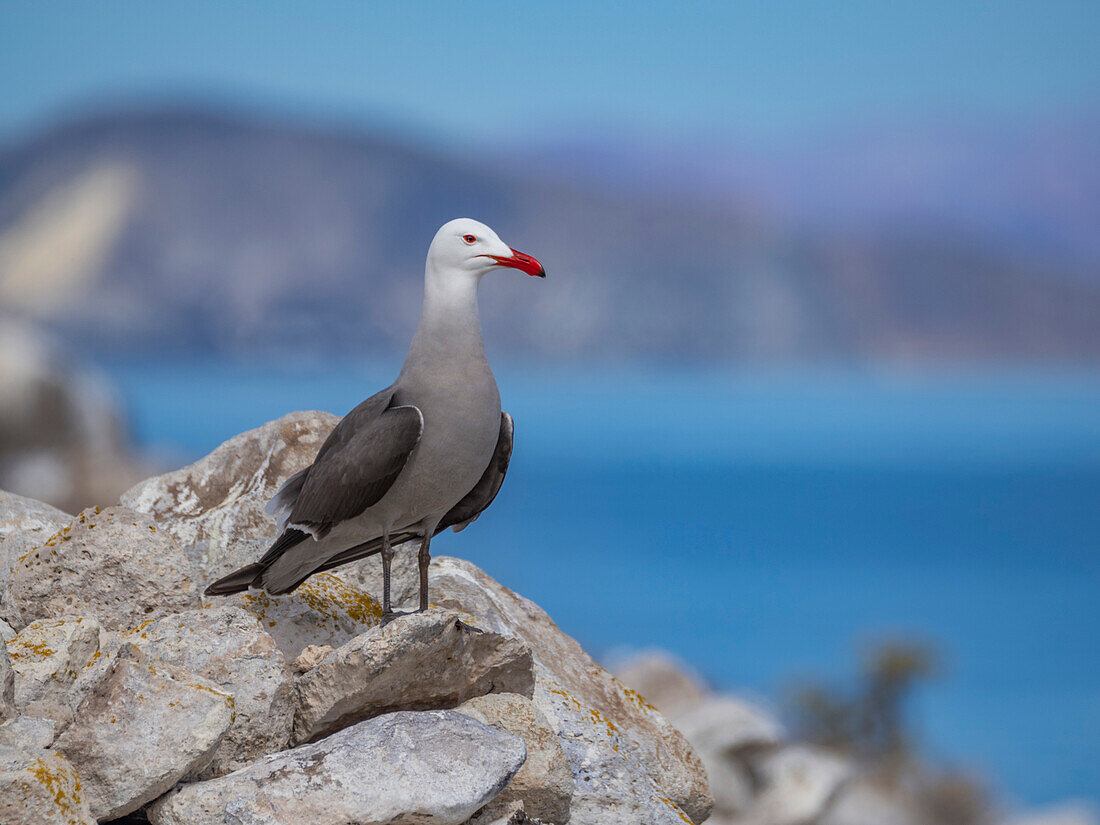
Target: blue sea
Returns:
[768, 527]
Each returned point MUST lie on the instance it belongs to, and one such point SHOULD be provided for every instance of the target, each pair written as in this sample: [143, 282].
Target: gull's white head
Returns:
[467, 245]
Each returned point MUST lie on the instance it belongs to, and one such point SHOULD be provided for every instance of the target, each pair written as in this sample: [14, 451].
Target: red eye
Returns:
[469, 238]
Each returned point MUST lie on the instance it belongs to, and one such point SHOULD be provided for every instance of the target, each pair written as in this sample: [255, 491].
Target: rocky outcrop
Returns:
[169, 688]
[147, 726]
[115, 564]
[435, 768]
[427, 660]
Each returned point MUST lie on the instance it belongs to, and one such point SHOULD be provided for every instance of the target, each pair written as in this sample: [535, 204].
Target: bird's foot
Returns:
[393, 614]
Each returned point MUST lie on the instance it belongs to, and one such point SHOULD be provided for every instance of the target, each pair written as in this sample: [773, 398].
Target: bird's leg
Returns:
[387, 557]
[425, 559]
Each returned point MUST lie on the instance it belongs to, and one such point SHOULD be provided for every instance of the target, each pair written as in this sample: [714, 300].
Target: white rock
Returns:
[725, 724]
[543, 787]
[115, 564]
[647, 757]
[48, 654]
[24, 524]
[418, 662]
[227, 646]
[863, 801]
[144, 728]
[39, 787]
[429, 768]
[799, 783]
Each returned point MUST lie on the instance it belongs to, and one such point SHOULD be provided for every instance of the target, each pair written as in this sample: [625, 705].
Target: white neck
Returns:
[449, 327]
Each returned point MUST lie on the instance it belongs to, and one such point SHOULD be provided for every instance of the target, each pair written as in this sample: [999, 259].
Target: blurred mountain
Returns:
[190, 229]
[1030, 188]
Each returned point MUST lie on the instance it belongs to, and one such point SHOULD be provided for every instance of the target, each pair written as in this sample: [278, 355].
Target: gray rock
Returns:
[39, 787]
[24, 525]
[543, 787]
[418, 662]
[145, 727]
[115, 564]
[430, 768]
[48, 654]
[660, 762]
[28, 732]
[611, 784]
[227, 646]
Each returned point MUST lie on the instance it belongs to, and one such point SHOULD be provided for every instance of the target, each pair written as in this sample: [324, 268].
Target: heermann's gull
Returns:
[427, 453]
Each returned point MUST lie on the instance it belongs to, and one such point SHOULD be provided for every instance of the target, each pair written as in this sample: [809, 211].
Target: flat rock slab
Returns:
[227, 646]
[115, 564]
[430, 768]
[144, 728]
[39, 787]
[48, 654]
[422, 661]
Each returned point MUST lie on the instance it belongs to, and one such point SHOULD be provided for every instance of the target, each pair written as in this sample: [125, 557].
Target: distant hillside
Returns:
[188, 229]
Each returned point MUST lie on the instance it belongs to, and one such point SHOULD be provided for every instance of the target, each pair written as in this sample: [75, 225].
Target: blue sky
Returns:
[495, 70]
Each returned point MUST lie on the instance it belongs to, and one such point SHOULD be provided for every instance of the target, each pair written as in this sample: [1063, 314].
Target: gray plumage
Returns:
[429, 452]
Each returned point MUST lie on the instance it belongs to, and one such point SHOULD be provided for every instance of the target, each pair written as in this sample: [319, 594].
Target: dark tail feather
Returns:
[237, 581]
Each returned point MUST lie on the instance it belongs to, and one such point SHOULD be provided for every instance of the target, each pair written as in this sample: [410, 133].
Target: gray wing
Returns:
[357, 464]
[481, 496]
[462, 514]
